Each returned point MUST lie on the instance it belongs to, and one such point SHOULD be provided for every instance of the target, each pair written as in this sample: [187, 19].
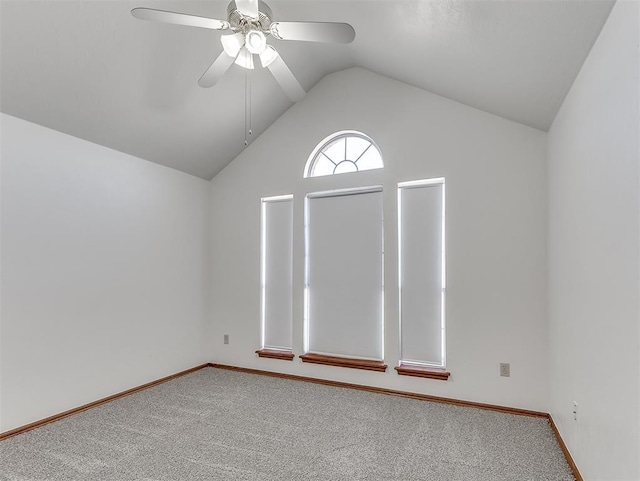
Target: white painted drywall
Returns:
[104, 272]
[594, 257]
[496, 233]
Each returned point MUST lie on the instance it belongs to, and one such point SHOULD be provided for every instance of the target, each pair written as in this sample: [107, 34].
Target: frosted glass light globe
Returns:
[256, 42]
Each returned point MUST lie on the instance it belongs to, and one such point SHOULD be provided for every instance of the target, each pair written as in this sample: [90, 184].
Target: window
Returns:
[343, 295]
[342, 152]
[344, 292]
[276, 277]
[421, 278]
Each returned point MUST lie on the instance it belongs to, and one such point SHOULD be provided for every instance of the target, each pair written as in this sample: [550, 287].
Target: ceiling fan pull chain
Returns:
[247, 106]
[246, 141]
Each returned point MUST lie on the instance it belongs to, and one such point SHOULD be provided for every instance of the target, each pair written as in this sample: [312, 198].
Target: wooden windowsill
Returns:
[339, 361]
[276, 354]
[423, 371]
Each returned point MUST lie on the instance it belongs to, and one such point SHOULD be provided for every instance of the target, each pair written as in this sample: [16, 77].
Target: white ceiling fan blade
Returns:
[282, 74]
[314, 31]
[248, 8]
[216, 71]
[179, 18]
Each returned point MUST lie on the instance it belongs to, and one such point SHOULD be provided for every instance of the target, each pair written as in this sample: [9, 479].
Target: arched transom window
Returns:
[342, 152]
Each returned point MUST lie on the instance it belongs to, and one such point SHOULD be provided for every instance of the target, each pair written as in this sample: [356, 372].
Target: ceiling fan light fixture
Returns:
[232, 44]
[245, 58]
[256, 41]
[249, 23]
[268, 55]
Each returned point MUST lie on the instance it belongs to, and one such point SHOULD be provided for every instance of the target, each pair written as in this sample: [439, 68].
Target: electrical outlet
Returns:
[226, 338]
[505, 369]
[575, 410]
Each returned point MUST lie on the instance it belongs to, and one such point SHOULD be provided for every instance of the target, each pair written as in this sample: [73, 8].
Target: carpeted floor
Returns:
[221, 425]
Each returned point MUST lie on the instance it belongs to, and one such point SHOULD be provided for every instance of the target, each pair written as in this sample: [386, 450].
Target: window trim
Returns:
[334, 359]
[343, 361]
[283, 354]
[408, 367]
[422, 370]
[269, 351]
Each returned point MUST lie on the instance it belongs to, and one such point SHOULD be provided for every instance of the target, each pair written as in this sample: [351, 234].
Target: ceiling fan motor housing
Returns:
[242, 23]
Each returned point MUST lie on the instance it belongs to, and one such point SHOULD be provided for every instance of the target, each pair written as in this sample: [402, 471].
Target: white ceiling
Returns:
[88, 68]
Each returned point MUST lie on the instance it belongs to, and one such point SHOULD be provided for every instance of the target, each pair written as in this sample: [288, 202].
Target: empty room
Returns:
[381, 240]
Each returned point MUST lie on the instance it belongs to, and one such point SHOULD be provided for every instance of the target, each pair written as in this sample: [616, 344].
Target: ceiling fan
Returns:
[250, 23]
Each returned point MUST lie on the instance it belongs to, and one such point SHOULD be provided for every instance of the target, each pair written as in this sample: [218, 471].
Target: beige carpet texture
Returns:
[216, 424]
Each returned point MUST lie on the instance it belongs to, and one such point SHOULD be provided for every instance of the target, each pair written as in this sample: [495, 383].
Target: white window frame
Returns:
[319, 149]
[306, 294]
[409, 185]
[263, 267]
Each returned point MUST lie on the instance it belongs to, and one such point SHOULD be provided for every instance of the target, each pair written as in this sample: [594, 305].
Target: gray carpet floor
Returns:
[222, 425]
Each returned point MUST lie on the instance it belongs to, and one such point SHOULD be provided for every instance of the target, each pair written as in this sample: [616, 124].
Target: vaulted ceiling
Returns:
[88, 68]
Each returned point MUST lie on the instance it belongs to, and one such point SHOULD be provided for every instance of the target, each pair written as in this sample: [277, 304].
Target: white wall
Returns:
[594, 257]
[496, 233]
[104, 272]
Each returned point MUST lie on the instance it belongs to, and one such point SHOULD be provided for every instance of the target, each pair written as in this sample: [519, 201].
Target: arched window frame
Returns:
[330, 141]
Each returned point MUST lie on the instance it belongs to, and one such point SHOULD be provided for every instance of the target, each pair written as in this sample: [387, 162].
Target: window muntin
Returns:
[343, 152]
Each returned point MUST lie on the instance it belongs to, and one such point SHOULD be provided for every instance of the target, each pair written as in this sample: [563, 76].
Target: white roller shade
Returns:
[421, 277]
[345, 273]
[277, 252]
